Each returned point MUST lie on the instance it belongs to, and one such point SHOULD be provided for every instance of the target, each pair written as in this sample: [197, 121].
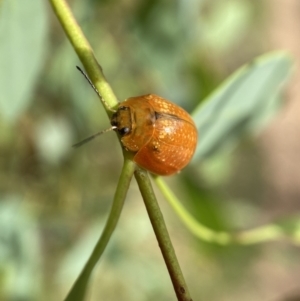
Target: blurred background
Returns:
[54, 200]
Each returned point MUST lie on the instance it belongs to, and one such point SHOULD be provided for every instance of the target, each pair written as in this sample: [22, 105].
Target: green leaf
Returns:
[23, 28]
[245, 101]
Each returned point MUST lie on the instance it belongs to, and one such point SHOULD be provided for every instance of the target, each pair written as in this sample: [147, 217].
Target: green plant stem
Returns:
[190, 222]
[93, 69]
[79, 288]
[162, 235]
[84, 51]
[261, 234]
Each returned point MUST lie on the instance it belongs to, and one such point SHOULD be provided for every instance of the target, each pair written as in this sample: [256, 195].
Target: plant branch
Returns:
[199, 230]
[94, 71]
[79, 288]
[162, 235]
[261, 234]
[84, 51]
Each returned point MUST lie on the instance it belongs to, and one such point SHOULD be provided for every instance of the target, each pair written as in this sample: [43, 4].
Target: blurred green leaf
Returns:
[23, 36]
[220, 36]
[245, 101]
[217, 169]
[20, 256]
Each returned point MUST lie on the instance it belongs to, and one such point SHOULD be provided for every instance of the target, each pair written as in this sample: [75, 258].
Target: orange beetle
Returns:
[162, 134]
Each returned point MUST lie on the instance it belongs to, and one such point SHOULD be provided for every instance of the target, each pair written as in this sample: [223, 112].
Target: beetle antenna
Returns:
[84, 141]
[95, 89]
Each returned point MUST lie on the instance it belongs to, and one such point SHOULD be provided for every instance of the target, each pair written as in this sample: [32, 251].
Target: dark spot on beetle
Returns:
[158, 115]
[182, 290]
[166, 115]
[156, 148]
[152, 118]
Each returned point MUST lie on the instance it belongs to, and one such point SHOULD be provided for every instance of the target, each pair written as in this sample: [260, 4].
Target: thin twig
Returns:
[162, 235]
[84, 52]
[79, 288]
